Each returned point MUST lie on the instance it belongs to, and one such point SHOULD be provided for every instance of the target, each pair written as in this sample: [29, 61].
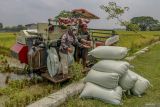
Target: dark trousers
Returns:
[81, 53]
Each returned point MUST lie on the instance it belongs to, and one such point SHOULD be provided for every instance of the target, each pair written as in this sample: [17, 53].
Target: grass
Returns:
[135, 41]
[76, 71]
[7, 40]
[20, 93]
[128, 39]
[146, 65]
[29, 94]
[25, 94]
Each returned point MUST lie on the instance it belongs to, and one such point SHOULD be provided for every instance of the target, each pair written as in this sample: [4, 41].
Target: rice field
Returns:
[6, 42]
[132, 40]
[23, 92]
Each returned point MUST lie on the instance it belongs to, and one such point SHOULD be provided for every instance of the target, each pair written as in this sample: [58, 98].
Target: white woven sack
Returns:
[109, 52]
[141, 84]
[111, 66]
[112, 96]
[106, 80]
[111, 40]
[127, 81]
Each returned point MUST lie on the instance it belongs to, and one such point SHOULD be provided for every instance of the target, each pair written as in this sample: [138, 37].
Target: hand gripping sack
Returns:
[127, 81]
[112, 96]
[111, 66]
[141, 84]
[106, 80]
[109, 52]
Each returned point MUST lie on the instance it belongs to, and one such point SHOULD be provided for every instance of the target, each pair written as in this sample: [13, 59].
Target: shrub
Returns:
[4, 66]
[76, 71]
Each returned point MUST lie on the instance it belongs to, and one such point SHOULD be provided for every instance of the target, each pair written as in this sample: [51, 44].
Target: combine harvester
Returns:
[38, 48]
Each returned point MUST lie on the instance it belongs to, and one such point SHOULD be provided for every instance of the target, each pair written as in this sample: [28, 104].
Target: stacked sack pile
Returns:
[110, 76]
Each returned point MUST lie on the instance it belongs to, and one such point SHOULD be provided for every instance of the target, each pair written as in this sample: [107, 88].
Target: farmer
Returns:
[66, 48]
[82, 52]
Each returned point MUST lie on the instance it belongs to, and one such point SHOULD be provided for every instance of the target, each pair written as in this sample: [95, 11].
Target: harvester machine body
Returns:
[32, 46]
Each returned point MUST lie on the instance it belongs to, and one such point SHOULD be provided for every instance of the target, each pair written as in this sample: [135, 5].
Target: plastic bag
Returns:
[53, 63]
[112, 96]
[109, 52]
[70, 59]
[71, 56]
[106, 80]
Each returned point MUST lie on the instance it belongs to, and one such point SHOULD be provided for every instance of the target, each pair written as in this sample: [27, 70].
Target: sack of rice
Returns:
[112, 40]
[112, 96]
[106, 80]
[109, 52]
[111, 66]
[141, 84]
[127, 81]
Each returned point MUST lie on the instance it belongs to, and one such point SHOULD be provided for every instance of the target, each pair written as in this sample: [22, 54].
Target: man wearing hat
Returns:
[82, 52]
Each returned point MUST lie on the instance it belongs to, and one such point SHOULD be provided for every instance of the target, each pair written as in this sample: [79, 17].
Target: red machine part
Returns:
[99, 43]
[20, 52]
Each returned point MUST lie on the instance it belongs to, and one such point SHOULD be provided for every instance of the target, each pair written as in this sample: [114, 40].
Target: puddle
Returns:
[12, 76]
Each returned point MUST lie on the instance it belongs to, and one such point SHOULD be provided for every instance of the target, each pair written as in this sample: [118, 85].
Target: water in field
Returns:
[10, 76]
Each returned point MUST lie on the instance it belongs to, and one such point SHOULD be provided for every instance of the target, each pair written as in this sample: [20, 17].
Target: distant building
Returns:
[31, 26]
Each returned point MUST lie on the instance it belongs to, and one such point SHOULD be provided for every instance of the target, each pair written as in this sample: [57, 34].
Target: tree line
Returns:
[11, 28]
[141, 23]
[144, 23]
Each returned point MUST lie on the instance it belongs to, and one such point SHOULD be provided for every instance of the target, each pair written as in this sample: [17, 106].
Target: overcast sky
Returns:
[14, 12]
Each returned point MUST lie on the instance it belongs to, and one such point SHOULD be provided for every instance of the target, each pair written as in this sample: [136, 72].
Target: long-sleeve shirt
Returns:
[66, 42]
[85, 35]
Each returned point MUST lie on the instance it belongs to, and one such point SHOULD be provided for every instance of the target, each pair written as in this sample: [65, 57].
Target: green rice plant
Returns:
[19, 84]
[133, 47]
[7, 41]
[76, 71]
[27, 95]
[4, 66]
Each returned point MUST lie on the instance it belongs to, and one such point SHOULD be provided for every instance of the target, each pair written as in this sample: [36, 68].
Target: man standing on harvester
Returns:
[85, 39]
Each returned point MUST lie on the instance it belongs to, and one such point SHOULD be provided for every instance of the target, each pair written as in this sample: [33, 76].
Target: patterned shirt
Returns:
[67, 41]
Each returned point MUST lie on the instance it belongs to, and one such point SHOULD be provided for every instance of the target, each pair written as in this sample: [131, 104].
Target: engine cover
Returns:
[20, 52]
